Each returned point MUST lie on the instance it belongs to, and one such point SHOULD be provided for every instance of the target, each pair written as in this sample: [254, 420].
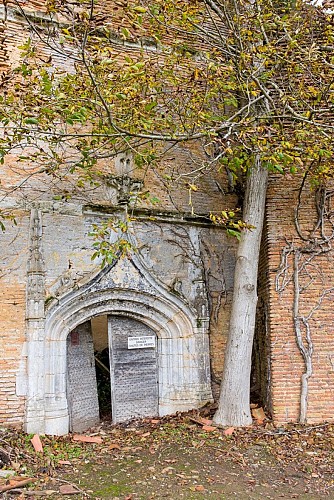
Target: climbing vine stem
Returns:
[299, 268]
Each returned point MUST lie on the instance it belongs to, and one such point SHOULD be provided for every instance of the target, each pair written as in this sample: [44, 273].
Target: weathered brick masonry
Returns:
[14, 245]
[179, 285]
[316, 281]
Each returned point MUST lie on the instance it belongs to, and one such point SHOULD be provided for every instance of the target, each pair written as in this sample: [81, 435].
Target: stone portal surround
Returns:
[123, 289]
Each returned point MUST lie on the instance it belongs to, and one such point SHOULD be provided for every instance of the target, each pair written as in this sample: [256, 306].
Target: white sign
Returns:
[141, 342]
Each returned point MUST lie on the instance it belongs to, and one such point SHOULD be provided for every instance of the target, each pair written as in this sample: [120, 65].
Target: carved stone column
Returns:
[35, 319]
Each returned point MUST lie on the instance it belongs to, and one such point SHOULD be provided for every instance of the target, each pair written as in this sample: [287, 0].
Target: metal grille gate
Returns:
[133, 369]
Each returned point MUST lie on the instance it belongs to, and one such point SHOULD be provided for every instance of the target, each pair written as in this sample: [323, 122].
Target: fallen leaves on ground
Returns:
[259, 415]
[68, 489]
[166, 456]
[114, 446]
[229, 431]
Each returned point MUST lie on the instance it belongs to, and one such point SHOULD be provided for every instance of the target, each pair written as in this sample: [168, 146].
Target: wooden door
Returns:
[81, 379]
[133, 369]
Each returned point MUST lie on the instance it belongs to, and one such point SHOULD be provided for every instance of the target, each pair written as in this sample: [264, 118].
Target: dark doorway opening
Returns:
[102, 366]
[103, 382]
[260, 374]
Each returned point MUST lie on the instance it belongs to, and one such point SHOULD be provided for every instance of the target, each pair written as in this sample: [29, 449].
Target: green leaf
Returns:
[125, 32]
[31, 121]
[150, 106]
[279, 169]
[140, 9]
[235, 234]
[154, 200]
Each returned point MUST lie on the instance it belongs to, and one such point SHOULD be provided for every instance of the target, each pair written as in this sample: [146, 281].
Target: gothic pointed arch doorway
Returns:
[127, 290]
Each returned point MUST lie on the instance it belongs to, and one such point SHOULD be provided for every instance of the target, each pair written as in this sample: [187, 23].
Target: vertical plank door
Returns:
[81, 379]
[133, 368]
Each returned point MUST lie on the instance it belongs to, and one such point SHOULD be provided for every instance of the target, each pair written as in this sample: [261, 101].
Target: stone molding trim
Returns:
[124, 289]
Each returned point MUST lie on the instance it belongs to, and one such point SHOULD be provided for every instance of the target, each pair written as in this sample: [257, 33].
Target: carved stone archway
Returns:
[124, 289]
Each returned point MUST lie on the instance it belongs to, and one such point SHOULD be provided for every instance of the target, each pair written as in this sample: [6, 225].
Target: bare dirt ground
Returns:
[178, 457]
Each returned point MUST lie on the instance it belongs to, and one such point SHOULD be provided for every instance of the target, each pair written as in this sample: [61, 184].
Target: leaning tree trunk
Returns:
[234, 402]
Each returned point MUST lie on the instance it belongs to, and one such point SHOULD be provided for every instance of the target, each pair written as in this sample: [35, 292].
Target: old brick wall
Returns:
[315, 279]
[14, 254]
